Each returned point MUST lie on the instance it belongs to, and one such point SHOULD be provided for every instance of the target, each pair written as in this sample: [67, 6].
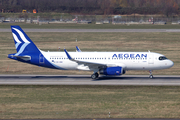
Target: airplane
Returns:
[101, 63]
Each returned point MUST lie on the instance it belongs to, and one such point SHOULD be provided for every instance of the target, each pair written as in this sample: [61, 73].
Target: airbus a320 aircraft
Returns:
[105, 63]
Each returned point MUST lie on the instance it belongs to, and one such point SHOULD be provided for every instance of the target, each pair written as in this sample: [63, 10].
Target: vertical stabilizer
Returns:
[23, 43]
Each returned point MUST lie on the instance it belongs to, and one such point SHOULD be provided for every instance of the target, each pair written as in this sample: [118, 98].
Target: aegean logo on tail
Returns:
[18, 42]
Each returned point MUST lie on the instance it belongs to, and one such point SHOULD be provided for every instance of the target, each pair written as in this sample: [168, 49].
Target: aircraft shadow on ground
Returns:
[136, 78]
[41, 77]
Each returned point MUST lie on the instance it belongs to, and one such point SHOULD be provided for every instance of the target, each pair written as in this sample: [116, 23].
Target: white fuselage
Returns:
[127, 60]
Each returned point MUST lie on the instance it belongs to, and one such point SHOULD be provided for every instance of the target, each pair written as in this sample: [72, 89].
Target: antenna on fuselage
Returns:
[149, 51]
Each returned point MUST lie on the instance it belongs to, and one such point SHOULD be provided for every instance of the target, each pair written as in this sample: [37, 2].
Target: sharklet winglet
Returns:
[69, 57]
[78, 50]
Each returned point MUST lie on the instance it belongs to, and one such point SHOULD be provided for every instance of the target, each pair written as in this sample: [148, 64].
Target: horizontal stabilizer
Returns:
[26, 58]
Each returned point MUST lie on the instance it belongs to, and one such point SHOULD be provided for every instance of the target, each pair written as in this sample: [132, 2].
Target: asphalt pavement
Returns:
[95, 30]
[131, 80]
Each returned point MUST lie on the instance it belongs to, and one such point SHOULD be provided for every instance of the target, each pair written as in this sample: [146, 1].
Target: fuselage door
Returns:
[41, 59]
[151, 58]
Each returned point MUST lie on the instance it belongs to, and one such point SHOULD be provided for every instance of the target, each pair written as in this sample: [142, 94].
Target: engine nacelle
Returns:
[111, 71]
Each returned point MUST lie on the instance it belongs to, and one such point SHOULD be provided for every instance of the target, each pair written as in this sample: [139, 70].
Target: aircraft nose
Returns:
[170, 63]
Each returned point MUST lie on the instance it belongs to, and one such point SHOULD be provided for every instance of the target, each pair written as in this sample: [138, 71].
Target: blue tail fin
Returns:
[27, 51]
[23, 43]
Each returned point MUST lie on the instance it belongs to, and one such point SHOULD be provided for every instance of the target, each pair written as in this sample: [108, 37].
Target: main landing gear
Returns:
[95, 76]
[150, 76]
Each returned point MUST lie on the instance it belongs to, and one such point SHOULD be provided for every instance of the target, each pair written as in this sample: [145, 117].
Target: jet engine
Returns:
[112, 71]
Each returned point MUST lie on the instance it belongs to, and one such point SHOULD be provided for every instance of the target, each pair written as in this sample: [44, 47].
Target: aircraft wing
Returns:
[94, 65]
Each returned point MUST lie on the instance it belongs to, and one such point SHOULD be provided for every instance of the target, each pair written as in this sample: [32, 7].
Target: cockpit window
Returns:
[162, 58]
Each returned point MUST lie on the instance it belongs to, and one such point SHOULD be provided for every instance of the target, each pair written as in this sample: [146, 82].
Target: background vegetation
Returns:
[106, 7]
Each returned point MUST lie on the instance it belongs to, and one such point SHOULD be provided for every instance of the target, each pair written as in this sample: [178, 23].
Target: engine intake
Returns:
[111, 71]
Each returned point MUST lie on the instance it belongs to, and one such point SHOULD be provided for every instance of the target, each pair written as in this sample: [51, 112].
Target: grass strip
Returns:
[33, 102]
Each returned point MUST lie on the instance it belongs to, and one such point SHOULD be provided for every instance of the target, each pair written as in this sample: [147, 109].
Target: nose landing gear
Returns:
[150, 76]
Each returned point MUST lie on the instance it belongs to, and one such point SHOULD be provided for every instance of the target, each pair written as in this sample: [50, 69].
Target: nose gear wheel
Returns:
[150, 76]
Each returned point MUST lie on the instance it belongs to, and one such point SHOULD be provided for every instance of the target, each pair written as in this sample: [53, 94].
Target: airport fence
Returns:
[96, 19]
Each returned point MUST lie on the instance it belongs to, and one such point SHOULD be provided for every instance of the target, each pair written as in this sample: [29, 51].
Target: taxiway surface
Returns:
[158, 80]
[95, 30]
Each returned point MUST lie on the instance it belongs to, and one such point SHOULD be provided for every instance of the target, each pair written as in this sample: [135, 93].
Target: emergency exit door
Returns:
[41, 59]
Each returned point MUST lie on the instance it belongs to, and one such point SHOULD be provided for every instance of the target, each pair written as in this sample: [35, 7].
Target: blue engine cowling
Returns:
[112, 71]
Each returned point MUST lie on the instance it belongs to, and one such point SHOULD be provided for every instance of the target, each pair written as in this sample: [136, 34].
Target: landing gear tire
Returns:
[97, 75]
[151, 76]
[94, 76]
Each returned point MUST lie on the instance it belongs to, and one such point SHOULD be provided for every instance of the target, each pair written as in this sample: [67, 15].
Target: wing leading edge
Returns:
[91, 65]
